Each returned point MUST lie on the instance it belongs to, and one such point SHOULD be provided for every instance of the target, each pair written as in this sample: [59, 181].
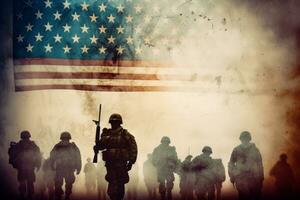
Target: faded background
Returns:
[249, 54]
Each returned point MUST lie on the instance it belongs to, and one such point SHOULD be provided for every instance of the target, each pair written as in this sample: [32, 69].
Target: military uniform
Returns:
[65, 159]
[119, 151]
[164, 158]
[219, 174]
[187, 179]
[150, 177]
[245, 169]
[25, 156]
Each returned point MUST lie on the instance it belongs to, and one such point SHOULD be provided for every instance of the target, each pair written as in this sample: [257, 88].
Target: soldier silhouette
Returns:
[164, 158]
[150, 177]
[219, 176]
[119, 151]
[65, 159]
[245, 169]
[48, 176]
[90, 176]
[284, 178]
[187, 179]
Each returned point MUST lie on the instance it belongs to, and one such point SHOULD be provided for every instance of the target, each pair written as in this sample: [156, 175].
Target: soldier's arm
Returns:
[38, 157]
[78, 158]
[52, 158]
[260, 165]
[132, 148]
[231, 165]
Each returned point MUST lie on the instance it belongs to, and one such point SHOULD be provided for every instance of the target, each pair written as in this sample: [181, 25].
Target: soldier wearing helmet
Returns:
[65, 159]
[245, 168]
[202, 166]
[25, 156]
[119, 151]
[164, 158]
[187, 179]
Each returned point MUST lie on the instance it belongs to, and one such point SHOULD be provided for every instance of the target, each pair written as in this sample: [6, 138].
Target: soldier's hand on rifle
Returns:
[128, 166]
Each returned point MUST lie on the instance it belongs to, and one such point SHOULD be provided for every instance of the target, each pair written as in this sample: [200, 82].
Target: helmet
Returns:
[189, 157]
[283, 157]
[25, 135]
[115, 117]
[65, 136]
[245, 135]
[207, 149]
[165, 140]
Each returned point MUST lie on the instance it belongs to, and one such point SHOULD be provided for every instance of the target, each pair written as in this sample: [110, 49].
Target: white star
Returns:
[84, 6]
[120, 8]
[67, 49]
[38, 15]
[129, 18]
[57, 15]
[20, 38]
[94, 39]
[120, 29]
[111, 40]
[57, 38]
[67, 28]
[93, 18]
[138, 29]
[111, 18]
[102, 29]
[29, 27]
[48, 48]
[19, 16]
[28, 3]
[75, 17]
[120, 50]
[29, 48]
[66, 4]
[84, 49]
[84, 29]
[38, 37]
[48, 4]
[147, 40]
[102, 50]
[48, 27]
[138, 9]
[102, 7]
[129, 40]
[138, 50]
[75, 38]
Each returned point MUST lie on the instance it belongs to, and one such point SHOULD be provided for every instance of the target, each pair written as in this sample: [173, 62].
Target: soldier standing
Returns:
[119, 151]
[245, 169]
[48, 176]
[25, 156]
[219, 174]
[187, 179]
[90, 176]
[203, 168]
[150, 177]
[164, 158]
[65, 159]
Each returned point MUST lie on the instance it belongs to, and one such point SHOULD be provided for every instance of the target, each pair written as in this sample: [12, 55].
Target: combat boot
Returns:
[169, 195]
[163, 195]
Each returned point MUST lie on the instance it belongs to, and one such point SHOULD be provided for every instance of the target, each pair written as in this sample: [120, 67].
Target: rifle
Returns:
[97, 137]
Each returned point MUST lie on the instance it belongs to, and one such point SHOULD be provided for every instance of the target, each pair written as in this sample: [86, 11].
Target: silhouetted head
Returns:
[65, 136]
[165, 140]
[25, 135]
[283, 157]
[245, 137]
[88, 160]
[207, 150]
[189, 158]
[115, 120]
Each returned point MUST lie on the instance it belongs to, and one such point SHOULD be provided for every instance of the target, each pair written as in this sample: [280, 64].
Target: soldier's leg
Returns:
[22, 183]
[30, 183]
[70, 179]
[211, 192]
[170, 185]
[58, 185]
[161, 178]
[200, 189]
[255, 188]
[242, 187]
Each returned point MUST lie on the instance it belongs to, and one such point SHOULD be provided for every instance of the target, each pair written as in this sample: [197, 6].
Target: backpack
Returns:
[13, 154]
[219, 170]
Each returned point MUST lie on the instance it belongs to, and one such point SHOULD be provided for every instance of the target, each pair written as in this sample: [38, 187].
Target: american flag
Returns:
[97, 45]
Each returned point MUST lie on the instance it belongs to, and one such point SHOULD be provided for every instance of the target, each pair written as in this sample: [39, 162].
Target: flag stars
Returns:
[20, 38]
[19, 16]
[120, 8]
[57, 38]
[102, 7]
[84, 6]
[29, 27]
[67, 49]
[38, 37]
[111, 18]
[48, 4]
[138, 9]
[66, 4]
[84, 49]
[75, 39]
[57, 15]
[75, 17]
[129, 40]
[138, 30]
[84, 29]
[138, 50]
[48, 48]
[94, 39]
[120, 50]
[102, 50]
[28, 3]
[102, 29]
[128, 19]
[39, 15]
[111, 40]
[29, 48]
[120, 29]
[48, 27]
[147, 40]
[93, 18]
[67, 28]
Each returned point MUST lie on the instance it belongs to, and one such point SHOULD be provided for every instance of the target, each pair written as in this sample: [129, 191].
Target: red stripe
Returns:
[122, 63]
[107, 88]
[98, 75]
